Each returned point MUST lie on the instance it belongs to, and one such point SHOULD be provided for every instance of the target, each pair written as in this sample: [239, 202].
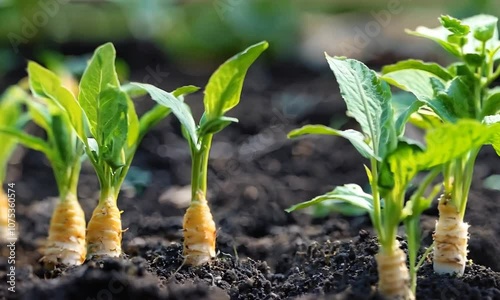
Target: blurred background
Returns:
[197, 34]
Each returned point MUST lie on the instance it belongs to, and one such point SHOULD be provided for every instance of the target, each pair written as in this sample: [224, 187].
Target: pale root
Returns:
[450, 240]
[199, 234]
[104, 231]
[66, 241]
[394, 278]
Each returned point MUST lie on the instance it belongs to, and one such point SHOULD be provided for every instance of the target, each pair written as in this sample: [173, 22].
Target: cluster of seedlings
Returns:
[97, 120]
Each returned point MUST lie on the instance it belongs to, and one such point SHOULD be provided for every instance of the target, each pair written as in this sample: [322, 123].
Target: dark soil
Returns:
[264, 253]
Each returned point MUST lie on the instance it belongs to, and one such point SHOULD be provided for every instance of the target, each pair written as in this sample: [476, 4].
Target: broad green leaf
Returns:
[99, 75]
[112, 127]
[404, 105]
[45, 84]
[495, 138]
[418, 82]
[368, 101]
[484, 27]
[492, 105]
[176, 105]
[159, 112]
[62, 139]
[451, 141]
[39, 114]
[443, 144]
[455, 26]
[27, 140]
[355, 137]
[425, 118]
[414, 64]
[423, 85]
[457, 100]
[329, 206]
[10, 111]
[438, 35]
[224, 86]
[213, 126]
[400, 167]
[351, 195]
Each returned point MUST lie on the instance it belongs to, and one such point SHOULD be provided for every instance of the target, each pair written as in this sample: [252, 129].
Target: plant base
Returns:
[394, 278]
[450, 240]
[66, 240]
[199, 234]
[104, 231]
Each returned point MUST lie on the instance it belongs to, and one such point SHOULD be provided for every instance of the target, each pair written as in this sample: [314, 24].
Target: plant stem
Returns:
[376, 218]
[199, 170]
[468, 174]
[205, 147]
[422, 259]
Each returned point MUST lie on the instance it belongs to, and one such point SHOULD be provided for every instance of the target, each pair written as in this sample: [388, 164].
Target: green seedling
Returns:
[394, 162]
[222, 93]
[104, 119]
[447, 95]
[11, 111]
[66, 238]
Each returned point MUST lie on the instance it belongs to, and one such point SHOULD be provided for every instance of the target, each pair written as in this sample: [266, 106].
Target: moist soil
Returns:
[255, 173]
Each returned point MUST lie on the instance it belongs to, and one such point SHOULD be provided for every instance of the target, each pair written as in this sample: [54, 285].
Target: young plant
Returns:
[447, 95]
[394, 162]
[222, 93]
[11, 112]
[66, 239]
[103, 117]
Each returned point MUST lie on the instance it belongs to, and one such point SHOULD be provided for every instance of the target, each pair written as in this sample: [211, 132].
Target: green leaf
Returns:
[352, 195]
[492, 105]
[495, 138]
[27, 140]
[224, 86]
[451, 141]
[62, 139]
[368, 101]
[455, 26]
[99, 75]
[45, 84]
[404, 105]
[10, 111]
[112, 127]
[438, 35]
[482, 27]
[39, 114]
[425, 118]
[485, 27]
[424, 86]
[414, 64]
[355, 137]
[400, 167]
[213, 126]
[329, 206]
[184, 91]
[133, 125]
[159, 112]
[457, 100]
[176, 105]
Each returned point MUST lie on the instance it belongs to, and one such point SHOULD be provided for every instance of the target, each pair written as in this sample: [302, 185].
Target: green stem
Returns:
[424, 256]
[376, 218]
[468, 172]
[207, 143]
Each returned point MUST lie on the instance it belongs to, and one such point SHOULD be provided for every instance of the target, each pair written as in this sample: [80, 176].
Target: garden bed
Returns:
[264, 253]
